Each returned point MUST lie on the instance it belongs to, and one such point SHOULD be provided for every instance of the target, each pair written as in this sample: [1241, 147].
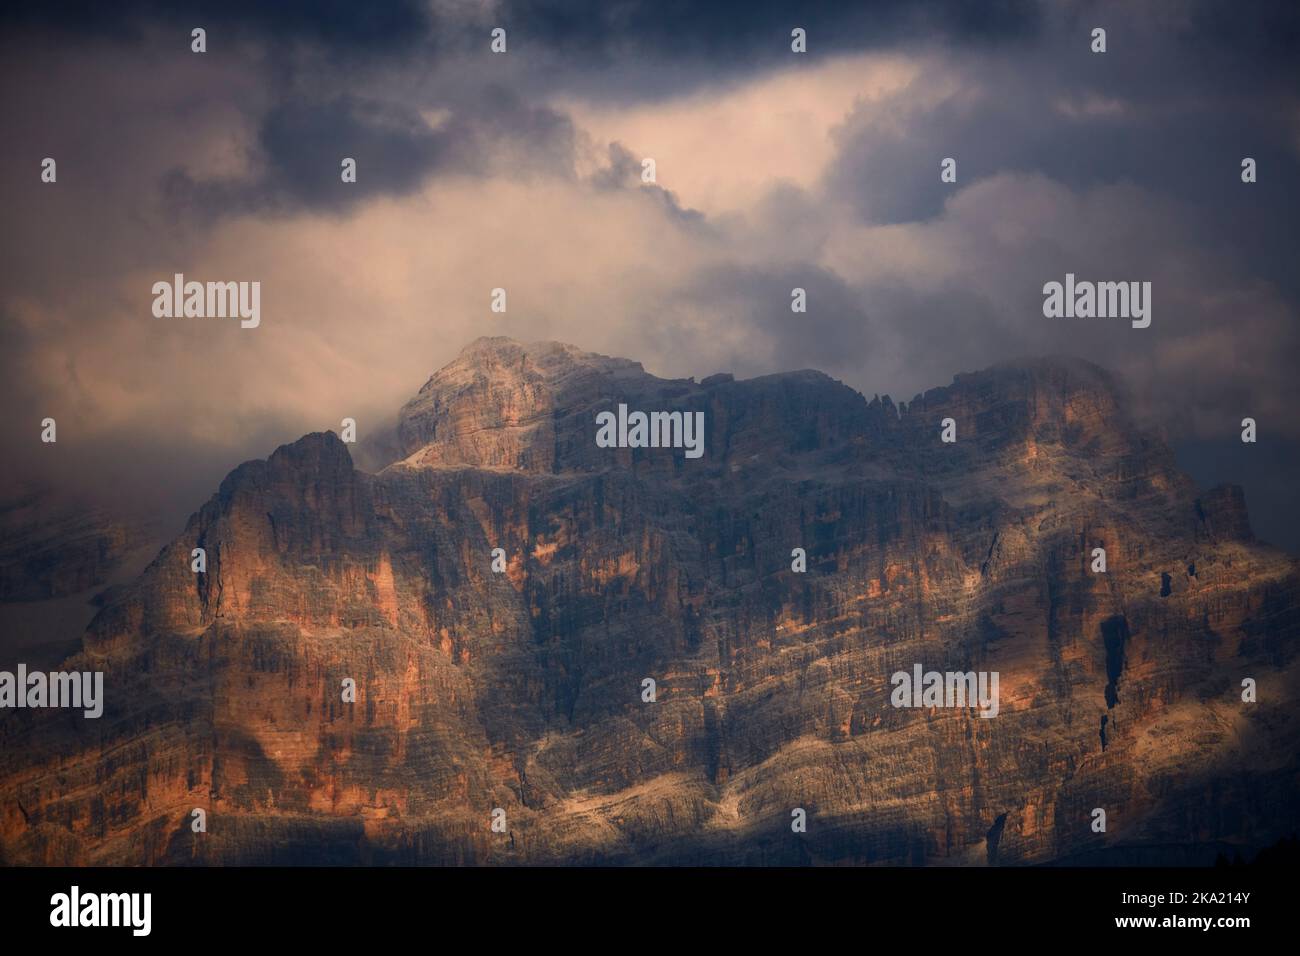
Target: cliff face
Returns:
[522, 690]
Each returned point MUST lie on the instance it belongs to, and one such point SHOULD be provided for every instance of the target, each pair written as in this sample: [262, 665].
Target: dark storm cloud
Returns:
[746, 32]
[583, 44]
[500, 122]
[639, 50]
[1172, 106]
[625, 172]
[301, 144]
[633, 49]
[337, 25]
[674, 29]
[889, 174]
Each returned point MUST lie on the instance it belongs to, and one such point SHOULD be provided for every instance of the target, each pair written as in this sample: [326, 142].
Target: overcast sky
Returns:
[522, 170]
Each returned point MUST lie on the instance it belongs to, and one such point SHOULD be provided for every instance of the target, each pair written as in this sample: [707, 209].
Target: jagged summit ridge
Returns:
[507, 405]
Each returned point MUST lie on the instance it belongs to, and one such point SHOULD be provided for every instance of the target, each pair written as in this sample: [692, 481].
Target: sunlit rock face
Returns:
[523, 689]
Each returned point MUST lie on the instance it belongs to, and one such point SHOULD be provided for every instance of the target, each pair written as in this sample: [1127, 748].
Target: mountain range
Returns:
[500, 591]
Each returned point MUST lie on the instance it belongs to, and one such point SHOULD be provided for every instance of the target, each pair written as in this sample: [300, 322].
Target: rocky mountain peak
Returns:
[496, 405]
[499, 595]
[507, 405]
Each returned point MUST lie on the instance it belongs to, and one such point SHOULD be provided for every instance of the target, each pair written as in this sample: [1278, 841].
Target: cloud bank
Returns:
[774, 170]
